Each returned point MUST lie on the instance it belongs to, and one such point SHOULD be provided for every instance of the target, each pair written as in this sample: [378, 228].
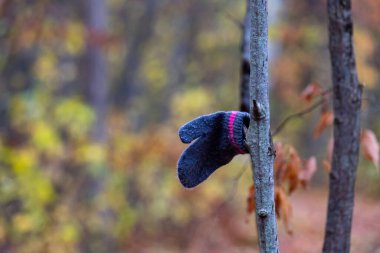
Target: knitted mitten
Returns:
[218, 138]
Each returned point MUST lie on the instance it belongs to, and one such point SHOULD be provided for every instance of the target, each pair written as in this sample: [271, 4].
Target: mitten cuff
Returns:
[236, 123]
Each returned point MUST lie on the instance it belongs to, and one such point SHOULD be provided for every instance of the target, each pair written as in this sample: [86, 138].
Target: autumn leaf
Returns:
[251, 205]
[370, 146]
[292, 169]
[311, 91]
[279, 162]
[327, 165]
[310, 167]
[101, 38]
[326, 119]
[330, 150]
[283, 207]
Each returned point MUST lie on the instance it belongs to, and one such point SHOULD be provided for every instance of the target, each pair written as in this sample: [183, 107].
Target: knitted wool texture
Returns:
[218, 138]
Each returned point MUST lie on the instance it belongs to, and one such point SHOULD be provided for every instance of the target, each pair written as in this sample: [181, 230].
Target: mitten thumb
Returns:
[199, 126]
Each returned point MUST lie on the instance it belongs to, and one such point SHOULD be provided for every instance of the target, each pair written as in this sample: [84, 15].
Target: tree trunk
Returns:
[97, 67]
[187, 26]
[97, 238]
[259, 138]
[126, 88]
[245, 68]
[347, 103]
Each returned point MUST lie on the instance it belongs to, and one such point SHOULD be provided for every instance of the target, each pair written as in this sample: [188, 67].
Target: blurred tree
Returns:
[245, 65]
[127, 87]
[186, 31]
[98, 238]
[347, 105]
[97, 66]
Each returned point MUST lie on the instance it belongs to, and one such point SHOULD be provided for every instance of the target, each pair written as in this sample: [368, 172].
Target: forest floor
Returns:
[229, 231]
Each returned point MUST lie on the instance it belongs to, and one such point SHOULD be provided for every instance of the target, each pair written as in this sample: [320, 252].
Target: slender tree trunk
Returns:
[127, 87]
[259, 138]
[187, 26]
[97, 67]
[98, 238]
[347, 103]
[245, 68]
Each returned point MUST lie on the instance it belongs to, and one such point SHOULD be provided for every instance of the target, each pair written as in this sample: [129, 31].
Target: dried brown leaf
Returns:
[292, 169]
[251, 205]
[325, 120]
[279, 162]
[283, 207]
[310, 167]
[327, 166]
[370, 146]
[311, 91]
[330, 151]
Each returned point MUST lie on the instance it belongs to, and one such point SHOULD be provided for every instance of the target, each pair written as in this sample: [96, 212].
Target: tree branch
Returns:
[303, 112]
[297, 115]
[234, 20]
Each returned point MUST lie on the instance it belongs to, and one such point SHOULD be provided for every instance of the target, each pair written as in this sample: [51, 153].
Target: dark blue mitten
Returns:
[218, 138]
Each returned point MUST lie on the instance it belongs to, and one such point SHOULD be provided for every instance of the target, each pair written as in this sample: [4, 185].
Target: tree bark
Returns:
[187, 26]
[127, 87]
[245, 67]
[97, 68]
[97, 237]
[259, 137]
[347, 103]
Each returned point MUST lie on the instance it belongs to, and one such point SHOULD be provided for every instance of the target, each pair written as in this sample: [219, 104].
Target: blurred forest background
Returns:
[92, 94]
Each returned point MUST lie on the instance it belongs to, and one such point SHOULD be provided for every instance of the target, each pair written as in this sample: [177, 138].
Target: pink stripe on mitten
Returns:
[231, 132]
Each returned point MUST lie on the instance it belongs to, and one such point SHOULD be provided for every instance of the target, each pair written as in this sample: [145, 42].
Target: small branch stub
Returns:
[271, 148]
[263, 213]
[258, 111]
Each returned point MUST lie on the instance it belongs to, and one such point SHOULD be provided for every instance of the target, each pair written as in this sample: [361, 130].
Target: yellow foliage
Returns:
[19, 111]
[23, 223]
[45, 138]
[191, 103]
[91, 154]
[181, 213]
[127, 218]
[69, 233]
[75, 38]
[36, 186]
[42, 189]
[364, 50]
[3, 231]
[74, 116]
[207, 41]
[45, 67]
[155, 73]
[22, 161]
[122, 146]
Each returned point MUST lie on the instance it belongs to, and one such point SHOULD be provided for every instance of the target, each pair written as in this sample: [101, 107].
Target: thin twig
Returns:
[229, 16]
[370, 98]
[233, 187]
[236, 21]
[297, 115]
[326, 91]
